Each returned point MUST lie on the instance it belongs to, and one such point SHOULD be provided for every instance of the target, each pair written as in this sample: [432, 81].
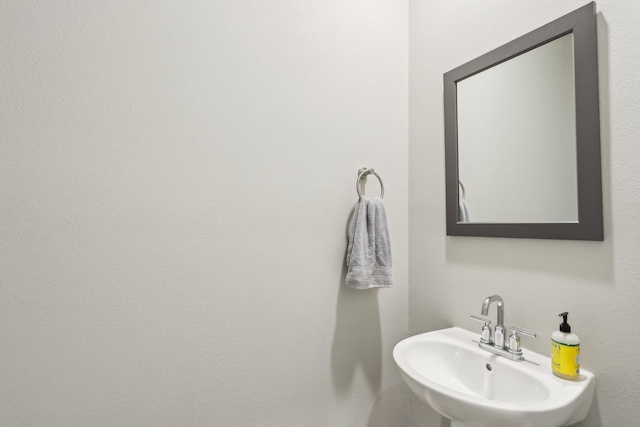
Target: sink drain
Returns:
[488, 366]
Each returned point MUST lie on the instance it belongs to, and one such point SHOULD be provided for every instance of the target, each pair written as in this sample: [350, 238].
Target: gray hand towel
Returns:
[463, 212]
[369, 249]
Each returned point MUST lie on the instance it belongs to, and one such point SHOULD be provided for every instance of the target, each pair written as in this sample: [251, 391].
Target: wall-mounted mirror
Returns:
[522, 136]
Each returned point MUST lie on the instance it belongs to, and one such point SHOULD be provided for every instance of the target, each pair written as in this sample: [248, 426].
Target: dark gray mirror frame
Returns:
[582, 23]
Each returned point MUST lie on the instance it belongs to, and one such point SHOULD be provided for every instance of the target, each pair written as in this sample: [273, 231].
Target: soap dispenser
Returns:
[565, 351]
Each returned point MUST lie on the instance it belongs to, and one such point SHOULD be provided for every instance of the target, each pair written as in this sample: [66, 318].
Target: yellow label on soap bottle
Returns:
[565, 359]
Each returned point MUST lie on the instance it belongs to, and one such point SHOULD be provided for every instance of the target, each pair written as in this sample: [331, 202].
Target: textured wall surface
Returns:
[176, 183]
[597, 282]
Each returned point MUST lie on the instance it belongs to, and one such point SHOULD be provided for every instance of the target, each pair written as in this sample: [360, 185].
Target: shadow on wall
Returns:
[421, 414]
[593, 418]
[357, 340]
[389, 408]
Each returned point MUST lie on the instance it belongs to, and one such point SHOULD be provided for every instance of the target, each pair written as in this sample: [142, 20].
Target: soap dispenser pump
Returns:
[565, 351]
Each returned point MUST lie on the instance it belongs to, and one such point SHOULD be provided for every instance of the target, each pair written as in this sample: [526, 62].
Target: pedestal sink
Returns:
[475, 388]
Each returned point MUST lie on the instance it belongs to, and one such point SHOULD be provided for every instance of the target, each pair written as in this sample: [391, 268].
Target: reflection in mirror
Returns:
[522, 136]
[517, 138]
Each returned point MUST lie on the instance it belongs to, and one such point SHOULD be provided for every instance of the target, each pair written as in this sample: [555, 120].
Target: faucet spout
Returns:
[500, 305]
[499, 331]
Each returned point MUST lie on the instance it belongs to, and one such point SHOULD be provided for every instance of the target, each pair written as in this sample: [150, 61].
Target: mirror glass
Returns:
[522, 136]
[517, 138]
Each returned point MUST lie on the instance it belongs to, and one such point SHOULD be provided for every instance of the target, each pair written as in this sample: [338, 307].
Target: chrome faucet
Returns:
[498, 344]
[499, 331]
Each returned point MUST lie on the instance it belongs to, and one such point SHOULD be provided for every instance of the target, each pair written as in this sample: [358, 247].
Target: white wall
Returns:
[597, 282]
[176, 183]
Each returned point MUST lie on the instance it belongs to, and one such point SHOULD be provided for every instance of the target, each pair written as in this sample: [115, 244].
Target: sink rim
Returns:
[561, 393]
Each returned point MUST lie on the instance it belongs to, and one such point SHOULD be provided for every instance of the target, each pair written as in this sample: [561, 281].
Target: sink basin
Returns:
[475, 388]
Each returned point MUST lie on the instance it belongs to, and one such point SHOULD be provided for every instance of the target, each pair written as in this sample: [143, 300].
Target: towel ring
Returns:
[362, 173]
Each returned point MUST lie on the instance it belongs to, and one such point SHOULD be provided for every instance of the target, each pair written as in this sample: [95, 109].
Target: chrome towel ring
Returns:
[362, 173]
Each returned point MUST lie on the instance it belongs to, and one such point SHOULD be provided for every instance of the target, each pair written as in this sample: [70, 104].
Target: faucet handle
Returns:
[514, 339]
[515, 330]
[485, 336]
[486, 321]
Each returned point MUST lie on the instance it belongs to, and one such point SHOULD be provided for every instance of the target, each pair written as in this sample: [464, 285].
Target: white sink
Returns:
[475, 388]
